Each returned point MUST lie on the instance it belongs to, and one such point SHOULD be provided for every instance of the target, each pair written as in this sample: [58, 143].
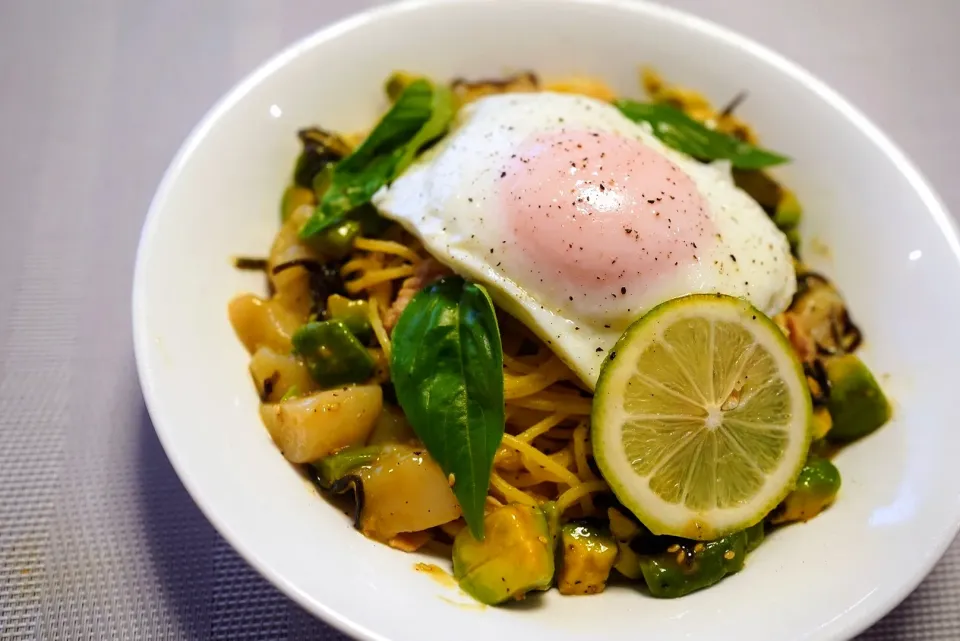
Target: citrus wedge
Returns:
[702, 418]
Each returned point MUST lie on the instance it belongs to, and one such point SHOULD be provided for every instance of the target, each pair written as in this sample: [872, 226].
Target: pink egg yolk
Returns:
[596, 215]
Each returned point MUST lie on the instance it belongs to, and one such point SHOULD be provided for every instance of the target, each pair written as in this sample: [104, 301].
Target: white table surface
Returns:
[98, 539]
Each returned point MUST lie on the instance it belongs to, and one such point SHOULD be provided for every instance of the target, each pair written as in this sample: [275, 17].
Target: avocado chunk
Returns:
[788, 213]
[624, 531]
[588, 556]
[856, 404]
[816, 490]
[552, 514]
[687, 566]
[514, 557]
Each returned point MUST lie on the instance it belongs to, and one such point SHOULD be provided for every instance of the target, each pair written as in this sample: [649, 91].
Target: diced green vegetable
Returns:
[816, 489]
[293, 392]
[789, 211]
[759, 186]
[333, 354]
[337, 241]
[686, 566]
[755, 535]
[856, 402]
[552, 515]
[421, 113]
[331, 469]
[447, 370]
[589, 554]
[514, 557]
[683, 133]
[355, 314]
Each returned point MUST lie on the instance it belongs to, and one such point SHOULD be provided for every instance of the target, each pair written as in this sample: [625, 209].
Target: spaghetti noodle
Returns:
[536, 381]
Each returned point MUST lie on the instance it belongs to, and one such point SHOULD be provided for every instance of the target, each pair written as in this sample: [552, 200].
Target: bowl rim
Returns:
[845, 626]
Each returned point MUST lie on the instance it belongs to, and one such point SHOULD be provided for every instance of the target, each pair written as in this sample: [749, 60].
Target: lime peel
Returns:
[686, 440]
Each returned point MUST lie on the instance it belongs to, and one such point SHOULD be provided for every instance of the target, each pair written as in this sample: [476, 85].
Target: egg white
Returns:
[449, 200]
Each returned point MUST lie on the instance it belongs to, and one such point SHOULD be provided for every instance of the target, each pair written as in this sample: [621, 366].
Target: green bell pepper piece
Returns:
[331, 469]
[686, 566]
[333, 354]
[352, 313]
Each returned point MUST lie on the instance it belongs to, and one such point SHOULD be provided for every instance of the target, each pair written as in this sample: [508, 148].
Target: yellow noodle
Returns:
[538, 459]
[576, 493]
[543, 377]
[516, 364]
[508, 459]
[580, 453]
[560, 434]
[583, 467]
[374, 277]
[492, 502]
[540, 428]
[564, 458]
[376, 324]
[583, 85]
[520, 479]
[387, 247]
[358, 265]
[510, 493]
[383, 293]
[553, 402]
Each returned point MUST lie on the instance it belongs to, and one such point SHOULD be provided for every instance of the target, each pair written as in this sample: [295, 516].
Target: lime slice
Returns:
[702, 417]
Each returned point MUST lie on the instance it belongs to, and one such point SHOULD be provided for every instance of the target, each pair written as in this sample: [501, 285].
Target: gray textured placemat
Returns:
[98, 539]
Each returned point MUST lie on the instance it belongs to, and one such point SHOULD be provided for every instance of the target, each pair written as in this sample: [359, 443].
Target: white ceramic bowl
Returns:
[894, 253]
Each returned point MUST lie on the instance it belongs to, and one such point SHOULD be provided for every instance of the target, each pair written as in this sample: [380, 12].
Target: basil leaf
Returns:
[681, 132]
[421, 113]
[447, 370]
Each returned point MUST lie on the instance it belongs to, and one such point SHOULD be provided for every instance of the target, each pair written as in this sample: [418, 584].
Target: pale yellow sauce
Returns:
[436, 573]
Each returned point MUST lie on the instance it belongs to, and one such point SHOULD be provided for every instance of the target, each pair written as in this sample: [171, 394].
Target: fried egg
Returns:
[578, 220]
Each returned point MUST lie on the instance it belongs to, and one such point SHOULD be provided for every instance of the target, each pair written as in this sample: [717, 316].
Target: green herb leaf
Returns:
[447, 370]
[421, 114]
[681, 132]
